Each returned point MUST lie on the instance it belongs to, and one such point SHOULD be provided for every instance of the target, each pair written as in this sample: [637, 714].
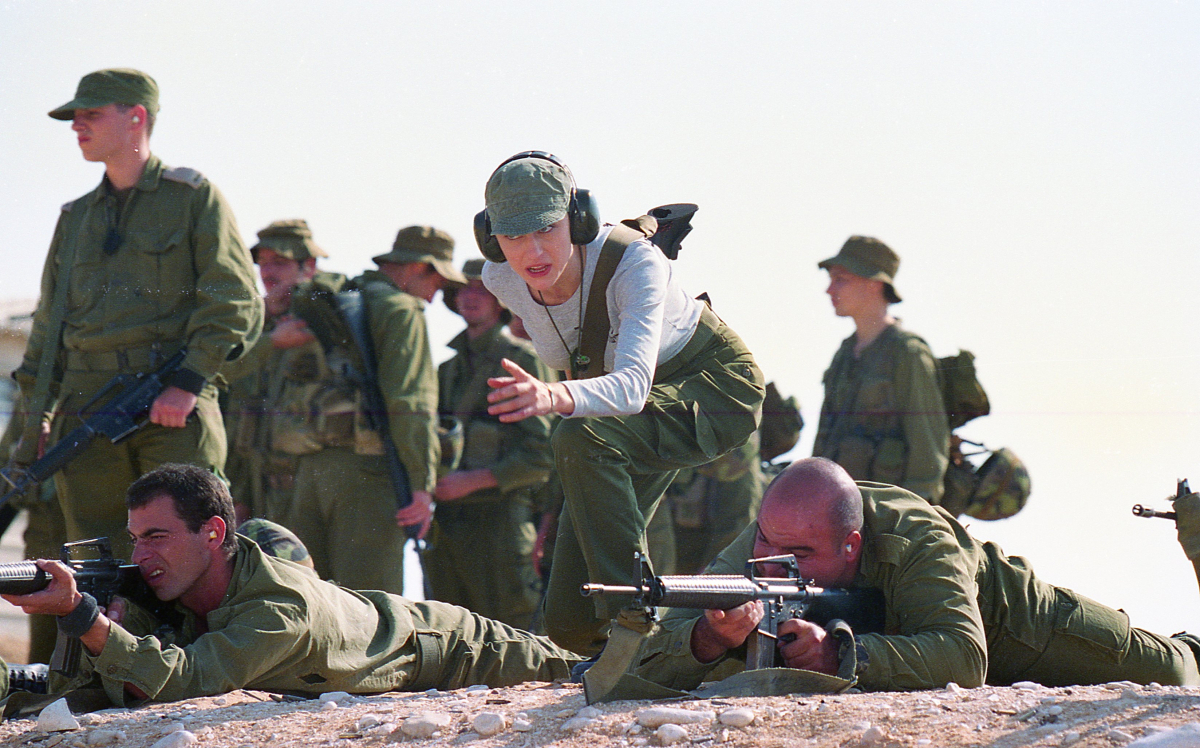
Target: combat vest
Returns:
[860, 427]
[319, 402]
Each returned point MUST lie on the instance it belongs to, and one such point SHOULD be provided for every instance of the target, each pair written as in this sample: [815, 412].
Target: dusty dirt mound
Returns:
[540, 714]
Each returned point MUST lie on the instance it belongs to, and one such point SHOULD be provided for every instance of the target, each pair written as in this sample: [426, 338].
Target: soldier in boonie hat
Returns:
[290, 238]
[473, 271]
[421, 261]
[276, 540]
[113, 86]
[868, 258]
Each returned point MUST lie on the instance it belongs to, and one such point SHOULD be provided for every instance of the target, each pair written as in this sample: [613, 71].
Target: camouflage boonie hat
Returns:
[114, 86]
[868, 258]
[291, 238]
[1003, 487]
[527, 195]
[472, 270]
[424, 244]
[276, 540]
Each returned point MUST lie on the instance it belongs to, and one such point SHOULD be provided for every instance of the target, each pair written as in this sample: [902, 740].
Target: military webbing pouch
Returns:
[962, 393]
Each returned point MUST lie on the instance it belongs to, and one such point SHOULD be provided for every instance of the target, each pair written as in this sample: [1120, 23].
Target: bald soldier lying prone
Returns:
[957, 610]
[257, 621]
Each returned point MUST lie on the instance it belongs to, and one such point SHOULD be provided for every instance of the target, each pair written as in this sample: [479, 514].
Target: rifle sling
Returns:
[593, 338]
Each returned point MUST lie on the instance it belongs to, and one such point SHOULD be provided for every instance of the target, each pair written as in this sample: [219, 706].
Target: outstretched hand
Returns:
[522, 395]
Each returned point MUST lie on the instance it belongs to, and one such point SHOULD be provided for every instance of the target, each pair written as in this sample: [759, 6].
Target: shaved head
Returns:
[817, 485]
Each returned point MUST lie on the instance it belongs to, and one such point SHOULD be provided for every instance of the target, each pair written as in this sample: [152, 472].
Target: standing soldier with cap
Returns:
[286, 256]
[147, 264]
[883, 418]
[344, 506]
[481, 551]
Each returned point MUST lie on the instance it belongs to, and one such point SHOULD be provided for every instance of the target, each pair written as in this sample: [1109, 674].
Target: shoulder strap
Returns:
[593, 338]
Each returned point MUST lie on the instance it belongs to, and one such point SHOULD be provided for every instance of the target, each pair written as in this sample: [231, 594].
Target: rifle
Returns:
[1181, 490]
[103, 578]
[350, 305]
[118, 419]
[783, 598]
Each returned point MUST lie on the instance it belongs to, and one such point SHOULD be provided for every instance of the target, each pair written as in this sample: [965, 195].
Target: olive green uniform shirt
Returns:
[957, 611]
[180, 276]
[280, 628]
[883, 418]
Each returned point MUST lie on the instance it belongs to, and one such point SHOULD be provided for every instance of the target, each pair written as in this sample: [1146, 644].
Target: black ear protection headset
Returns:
[583, 216]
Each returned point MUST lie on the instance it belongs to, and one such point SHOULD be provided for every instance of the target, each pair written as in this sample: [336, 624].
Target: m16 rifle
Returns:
[118, 419]
[103, 577]
[1181, 490]
[783, 598]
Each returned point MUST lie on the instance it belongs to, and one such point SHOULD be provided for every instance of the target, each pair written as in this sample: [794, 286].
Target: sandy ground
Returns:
[540, 714]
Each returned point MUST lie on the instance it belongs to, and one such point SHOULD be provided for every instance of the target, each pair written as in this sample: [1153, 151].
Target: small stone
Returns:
[425, 725]
[633, 728]
[924, 741]
[589, 712]
[521, 725]
[740, 717]
[180, 739]
[640, 741]
[1054, 711]
[328, 706]
[432, 692]
[563, 713]
[1069, 737]
[57, 717]
[577, 723]
[335, 696]
[1026, 685]
[367, 721]
[873, 735]
[489, 723]
[822, 707]
[1187, 736]
[171, 727]
[953, 687]
[661, 715]
[669, 734]
[1119, 736]
[477, 687]
[1120, 685]
[105, 737]
[219, 702]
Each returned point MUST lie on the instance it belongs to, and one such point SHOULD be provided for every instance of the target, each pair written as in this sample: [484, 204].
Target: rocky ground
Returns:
[541, 714]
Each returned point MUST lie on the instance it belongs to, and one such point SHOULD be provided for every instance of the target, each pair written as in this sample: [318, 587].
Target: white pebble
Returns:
[180, 739]
[171, 727]
[1119, 736]
[633, 728]
[328, 706]
[577, 723]
[1069, 737]
[477, 687]
[589, 712]
[1026, 685]
[367, 721]
[334, 696]
[873, 735]
[1120, 685]
[740, 717]
[105, 737]
[661, 715]
[1187, 736]
[1054, 710]
[640, 741]
[953, 687]
[565, 713]
[57, 717]
[489, 723]
[670, 734]
[924, 741]
[219, 702]
[522, 725]
[425, 725]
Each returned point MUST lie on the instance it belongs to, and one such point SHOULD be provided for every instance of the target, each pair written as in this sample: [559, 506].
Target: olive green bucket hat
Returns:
[527, 195]
[291, 238]
[868, 258]
[114, 86]
[424, 244]
[472, 270]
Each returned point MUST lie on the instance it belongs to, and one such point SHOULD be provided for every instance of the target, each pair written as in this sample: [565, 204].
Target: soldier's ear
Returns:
[853, 544]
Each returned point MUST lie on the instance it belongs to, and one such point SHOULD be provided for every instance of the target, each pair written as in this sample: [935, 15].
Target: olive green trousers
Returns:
[705, 401]
[343, 509]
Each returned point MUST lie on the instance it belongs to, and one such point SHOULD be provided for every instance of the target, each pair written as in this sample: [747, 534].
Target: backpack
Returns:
[1000, 487]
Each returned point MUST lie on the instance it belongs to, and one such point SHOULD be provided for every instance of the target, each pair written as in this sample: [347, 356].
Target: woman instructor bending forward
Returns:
[678, 388]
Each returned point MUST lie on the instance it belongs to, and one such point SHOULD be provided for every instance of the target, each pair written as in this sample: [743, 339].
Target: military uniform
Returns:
[480, 552]
[1187, 525]
[344, 504]
[177, 275]
[957, 611]
[883, 418]
[280, 628]
[705, 509]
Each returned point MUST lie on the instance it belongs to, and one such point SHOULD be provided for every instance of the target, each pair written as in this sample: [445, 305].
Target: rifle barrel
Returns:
[1145, 511]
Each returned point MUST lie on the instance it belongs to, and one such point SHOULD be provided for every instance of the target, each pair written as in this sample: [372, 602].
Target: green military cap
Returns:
[472, 270]
[291, 238]
[276, 540]
[868, 258]
[115, 86]
[526, 195]
[424, 244]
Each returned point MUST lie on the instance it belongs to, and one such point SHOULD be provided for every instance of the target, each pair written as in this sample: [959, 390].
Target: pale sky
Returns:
[1035, 165]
